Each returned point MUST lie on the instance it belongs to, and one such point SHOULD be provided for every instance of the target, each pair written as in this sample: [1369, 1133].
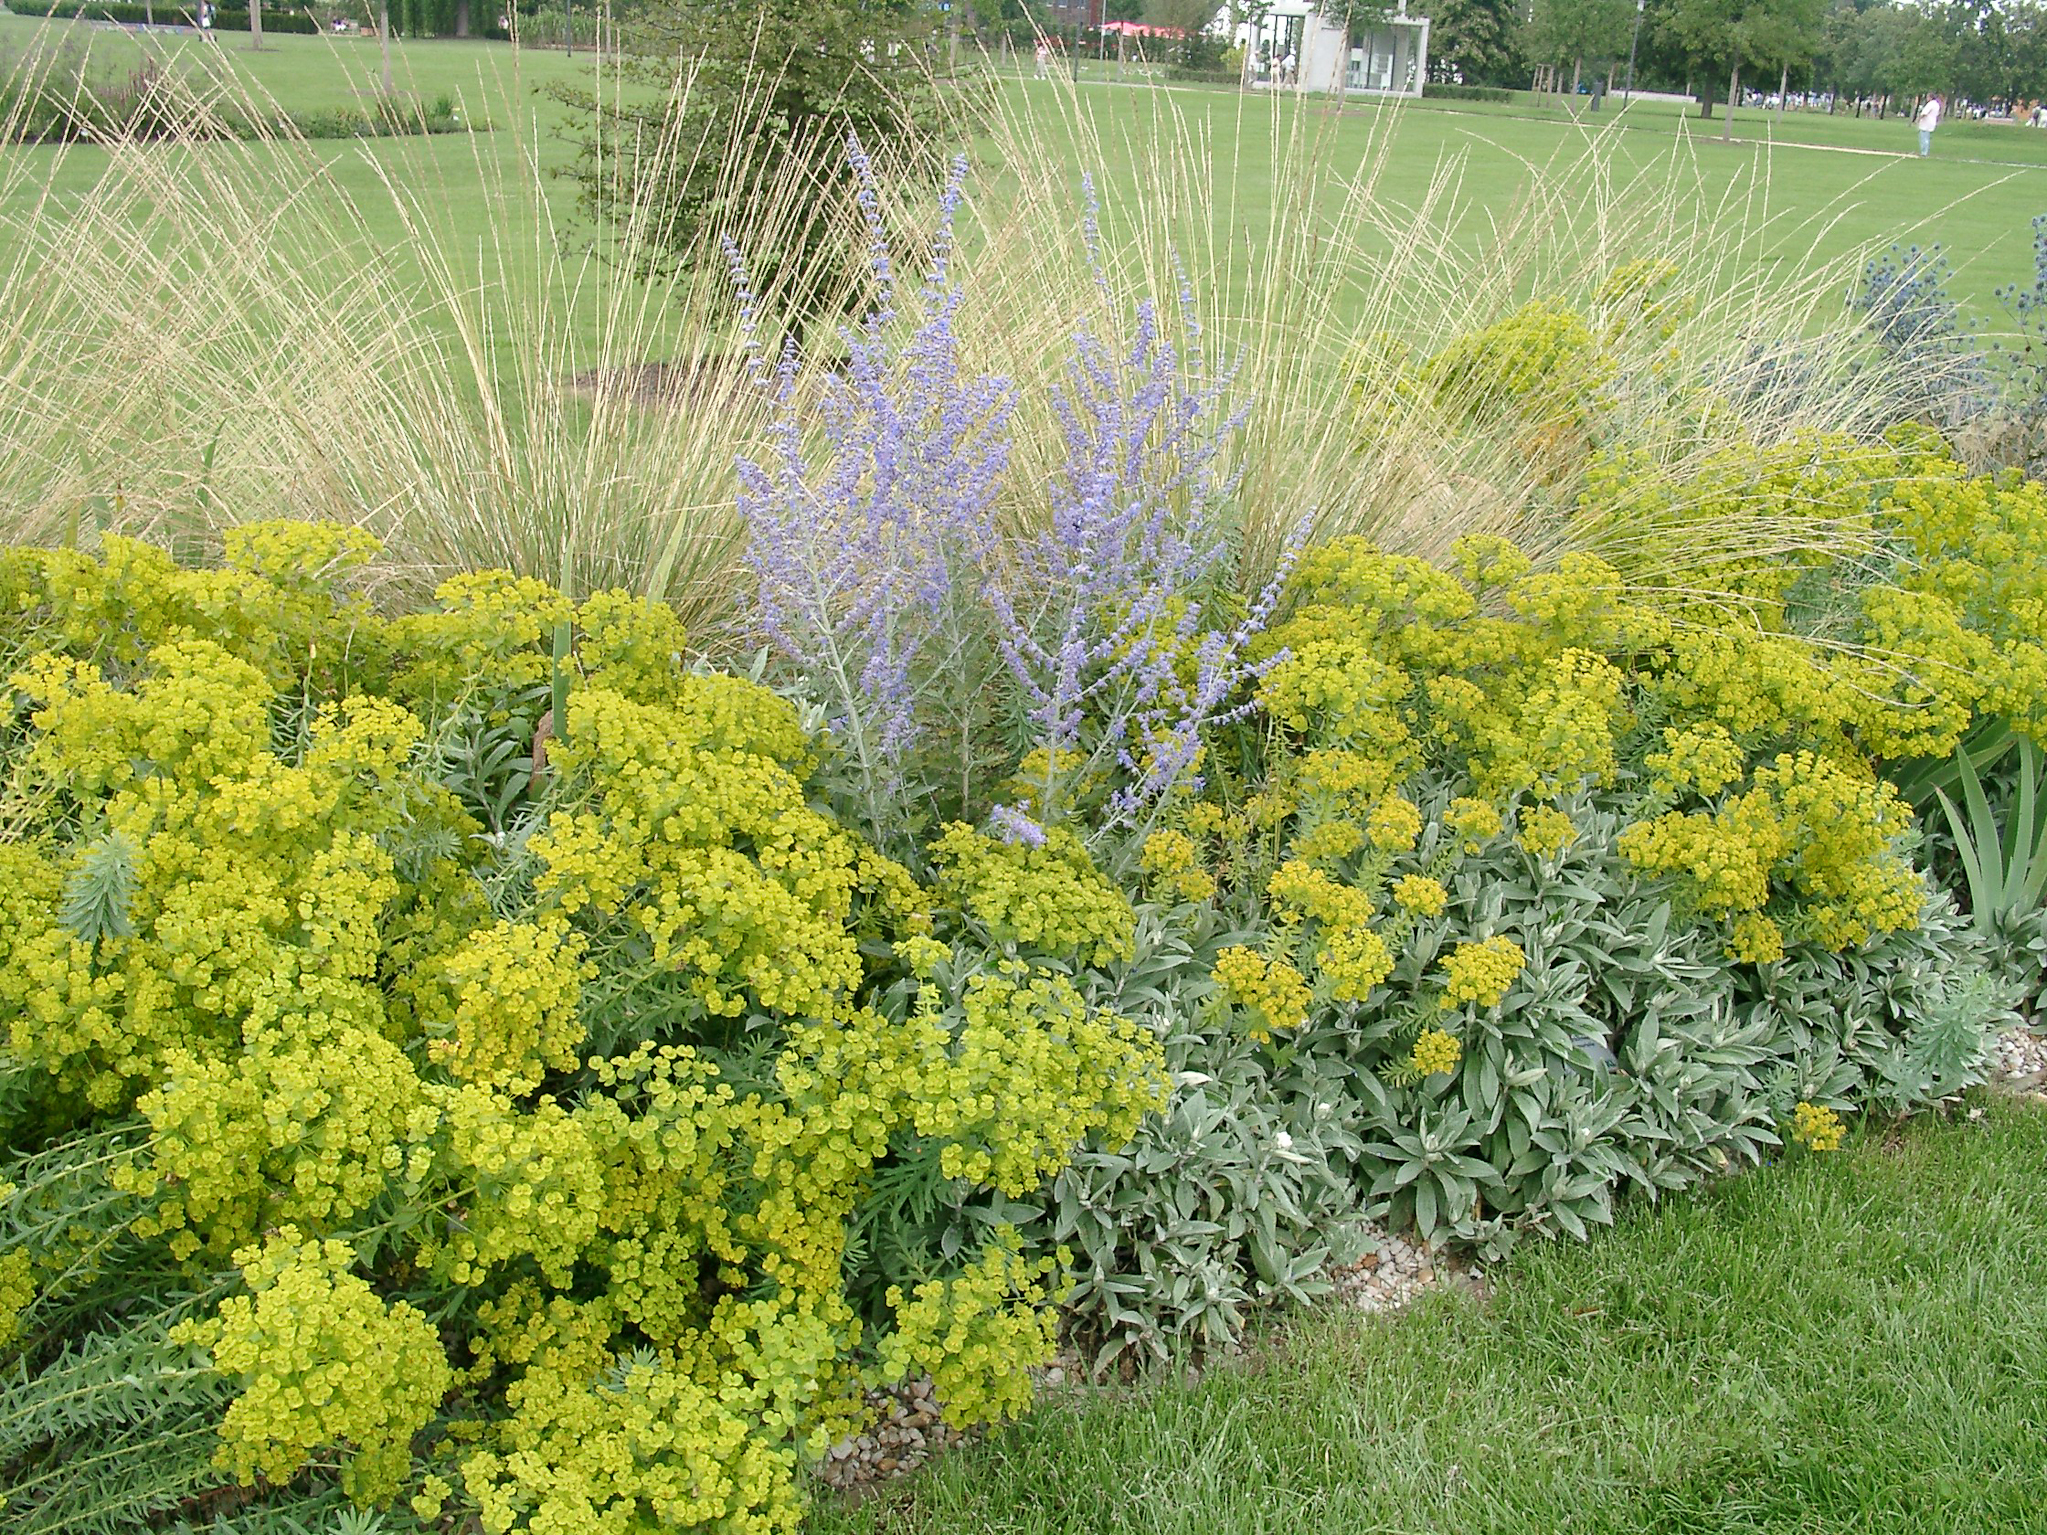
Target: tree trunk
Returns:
[1733, 95]
[384, 40]
[461, 18]
[1783, 88]
[255, 25]
[1577, 67]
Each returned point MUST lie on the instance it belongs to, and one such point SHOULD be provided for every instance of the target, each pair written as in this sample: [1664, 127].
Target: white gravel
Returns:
[1394, 1275]
[2019, 1059]
[904, 1432]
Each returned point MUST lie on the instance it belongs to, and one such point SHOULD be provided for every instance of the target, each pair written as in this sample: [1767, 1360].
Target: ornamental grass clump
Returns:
[513, 403]
[633, 1111]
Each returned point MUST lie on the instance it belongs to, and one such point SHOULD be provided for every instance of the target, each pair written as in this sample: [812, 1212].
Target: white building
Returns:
[1390, 60]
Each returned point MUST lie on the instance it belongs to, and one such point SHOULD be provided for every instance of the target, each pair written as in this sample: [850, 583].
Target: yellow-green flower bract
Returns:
[327, 1002]
[1481, 972]
[1435, 1050]
[1817, 1128]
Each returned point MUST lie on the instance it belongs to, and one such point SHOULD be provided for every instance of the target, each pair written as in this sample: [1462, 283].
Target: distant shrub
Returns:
[58, 96]
[238, 21]
[163, 15]
[1435, 92]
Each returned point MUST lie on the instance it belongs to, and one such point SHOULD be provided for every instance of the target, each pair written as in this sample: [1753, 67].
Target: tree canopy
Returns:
[1476, 41]
[1570, 31]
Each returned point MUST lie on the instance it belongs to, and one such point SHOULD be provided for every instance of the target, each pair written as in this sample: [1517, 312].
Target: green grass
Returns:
[1852, 1343]
[1806, 208]
[457, 176]
[1958, 139]
[1828, 187]
[313, 73]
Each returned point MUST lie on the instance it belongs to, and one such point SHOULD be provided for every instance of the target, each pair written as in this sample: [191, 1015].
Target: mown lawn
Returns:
[1849, 1343]
[1809, 195]
[1805, 208]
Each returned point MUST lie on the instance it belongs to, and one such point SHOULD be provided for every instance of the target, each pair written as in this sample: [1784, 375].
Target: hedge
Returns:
[167, 14]
[1466, 92]
[238, 21]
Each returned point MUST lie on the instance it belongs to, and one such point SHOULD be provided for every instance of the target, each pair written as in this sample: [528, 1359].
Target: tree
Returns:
[1579, 29]
[1197, 47]
[2025, 28]
[737, 118]
[1834, 56]
[1238, 15]
[1732, 33]
[1979, 33]
[1904, 51]
[1476, 42]
[1193, 17]
[1785, 33]
[1704, 32]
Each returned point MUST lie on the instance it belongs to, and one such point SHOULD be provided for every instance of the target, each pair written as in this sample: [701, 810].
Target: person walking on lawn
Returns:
[1927, 120]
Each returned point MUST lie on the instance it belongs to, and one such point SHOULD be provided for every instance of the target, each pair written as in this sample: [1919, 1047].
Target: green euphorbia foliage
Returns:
[508, 1118]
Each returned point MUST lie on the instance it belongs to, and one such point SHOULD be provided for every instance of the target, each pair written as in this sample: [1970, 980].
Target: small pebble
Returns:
[2019, 1053]
[1389, 1278]
[905, 1429]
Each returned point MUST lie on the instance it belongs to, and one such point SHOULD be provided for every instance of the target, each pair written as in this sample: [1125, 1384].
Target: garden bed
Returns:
[1057, 913]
